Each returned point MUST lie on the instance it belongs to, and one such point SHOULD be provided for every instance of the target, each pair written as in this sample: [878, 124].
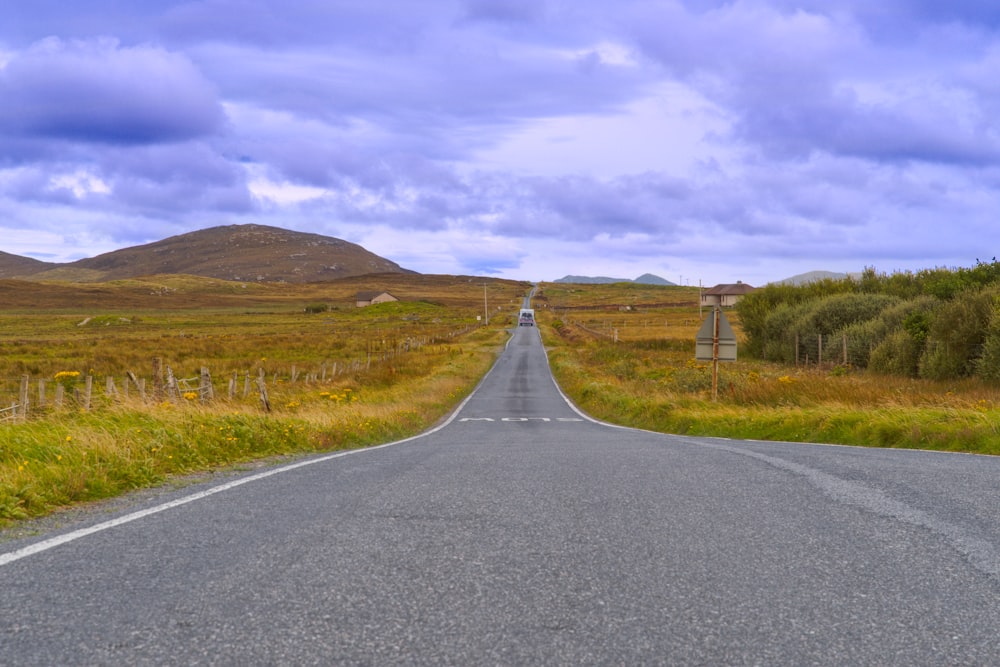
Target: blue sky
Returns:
[698, 140]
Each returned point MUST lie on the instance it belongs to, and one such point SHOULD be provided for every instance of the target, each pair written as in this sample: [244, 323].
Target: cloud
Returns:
[515, 136]
[99, 92]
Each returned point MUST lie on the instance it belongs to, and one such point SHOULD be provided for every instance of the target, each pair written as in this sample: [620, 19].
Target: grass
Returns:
[624, 353]
[631, 362]
[400, 368]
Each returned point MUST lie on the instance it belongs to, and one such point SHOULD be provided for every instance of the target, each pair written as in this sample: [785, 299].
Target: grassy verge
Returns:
[657, 385]
[79, 456]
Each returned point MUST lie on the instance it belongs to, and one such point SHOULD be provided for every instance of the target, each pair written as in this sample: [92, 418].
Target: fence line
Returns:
[165, 386]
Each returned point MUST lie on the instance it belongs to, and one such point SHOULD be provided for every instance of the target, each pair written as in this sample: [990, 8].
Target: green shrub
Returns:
[956, 335]
[988, 366]
[898, 354]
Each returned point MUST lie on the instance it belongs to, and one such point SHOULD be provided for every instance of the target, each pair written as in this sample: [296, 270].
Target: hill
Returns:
[644, 279]
[14, 265]
[813, 276]
[244, 253]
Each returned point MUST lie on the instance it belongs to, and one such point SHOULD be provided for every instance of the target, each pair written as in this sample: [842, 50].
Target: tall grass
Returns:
[64, 455]
[667, 390]
[80, 456]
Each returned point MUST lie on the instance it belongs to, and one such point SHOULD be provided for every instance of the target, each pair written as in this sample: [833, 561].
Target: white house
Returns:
[371, 298]
[725, 295]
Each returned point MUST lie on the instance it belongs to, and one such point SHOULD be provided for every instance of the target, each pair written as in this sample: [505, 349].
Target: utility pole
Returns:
[486, 307]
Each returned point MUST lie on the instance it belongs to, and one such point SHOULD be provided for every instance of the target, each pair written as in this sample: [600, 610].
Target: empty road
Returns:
[521, 532]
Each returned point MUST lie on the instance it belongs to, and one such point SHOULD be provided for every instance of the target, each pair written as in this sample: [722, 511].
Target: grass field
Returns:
[348, 377]
[630, 360]
[339, 377]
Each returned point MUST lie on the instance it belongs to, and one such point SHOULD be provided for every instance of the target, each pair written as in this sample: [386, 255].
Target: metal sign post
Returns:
[715, 342]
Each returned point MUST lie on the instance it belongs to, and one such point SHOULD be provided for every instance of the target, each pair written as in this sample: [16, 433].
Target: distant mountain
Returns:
[248, 253]
[645, 279]
[813, 276]
[650, 279]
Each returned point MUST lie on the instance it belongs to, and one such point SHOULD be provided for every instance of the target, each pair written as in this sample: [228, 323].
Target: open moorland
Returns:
[135, 382]
[626, 354]
[118, 385]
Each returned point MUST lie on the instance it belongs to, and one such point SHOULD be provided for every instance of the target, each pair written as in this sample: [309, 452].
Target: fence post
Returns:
[262, 387]
[796, 349]
[819, 351]
[24, 398]
[41, 392]
[60, 395]
[172, 391]
[130, 376]
[205, 391]
[844, 341]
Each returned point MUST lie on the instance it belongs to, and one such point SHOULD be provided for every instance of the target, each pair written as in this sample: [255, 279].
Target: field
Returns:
[338, 376]
[625, 354]
[333, 375]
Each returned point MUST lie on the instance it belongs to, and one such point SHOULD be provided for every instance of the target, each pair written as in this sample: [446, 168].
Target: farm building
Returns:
[725, 295]
[371, 298]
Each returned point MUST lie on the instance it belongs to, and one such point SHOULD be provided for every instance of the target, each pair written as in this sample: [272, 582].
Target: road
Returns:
[521, 532]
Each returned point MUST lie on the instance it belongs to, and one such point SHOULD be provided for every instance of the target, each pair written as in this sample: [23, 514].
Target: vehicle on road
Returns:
[526, 318]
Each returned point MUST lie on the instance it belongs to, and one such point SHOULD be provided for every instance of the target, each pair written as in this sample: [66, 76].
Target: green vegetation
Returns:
[345, 377]
[631, 362]
[350, 377]
[939, 324]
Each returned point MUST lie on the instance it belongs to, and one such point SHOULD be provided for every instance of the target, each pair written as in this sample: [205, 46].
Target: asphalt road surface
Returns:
[521, 532]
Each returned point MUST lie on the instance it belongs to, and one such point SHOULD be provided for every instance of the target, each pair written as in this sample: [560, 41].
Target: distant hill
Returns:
[645, 279]
[247, 253]
[813, 276]
[14, 265]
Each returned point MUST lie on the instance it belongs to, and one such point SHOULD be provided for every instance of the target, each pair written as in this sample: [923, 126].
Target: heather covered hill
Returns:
[245, 253]
[14, 265]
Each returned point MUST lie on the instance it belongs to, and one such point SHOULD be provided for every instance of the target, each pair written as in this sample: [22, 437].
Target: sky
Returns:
[699, 140]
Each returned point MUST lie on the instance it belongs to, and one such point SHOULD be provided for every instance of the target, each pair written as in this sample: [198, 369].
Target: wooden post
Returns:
[130, 376]
[844, 341]
[25, 400]
[172, 391]
[819, 351]
[796, 349]
[205, 391]
[232, 385]
[41, 392]
[262, 388]
[60, 395]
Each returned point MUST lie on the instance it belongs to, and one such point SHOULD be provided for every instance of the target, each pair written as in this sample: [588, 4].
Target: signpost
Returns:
[715, 342]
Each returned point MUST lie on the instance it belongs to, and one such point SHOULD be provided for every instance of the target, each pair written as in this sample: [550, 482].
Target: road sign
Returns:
[705, 340]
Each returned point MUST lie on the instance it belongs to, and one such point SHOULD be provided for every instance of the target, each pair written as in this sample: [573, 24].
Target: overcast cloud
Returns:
[699, 140]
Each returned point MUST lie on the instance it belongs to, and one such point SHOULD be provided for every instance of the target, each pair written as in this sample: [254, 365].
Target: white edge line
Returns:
[45, 545]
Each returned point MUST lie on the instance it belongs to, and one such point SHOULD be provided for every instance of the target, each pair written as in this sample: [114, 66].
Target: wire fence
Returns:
[25, 396]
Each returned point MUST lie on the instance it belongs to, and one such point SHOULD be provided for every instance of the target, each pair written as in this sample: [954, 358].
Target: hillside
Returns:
[245, 253]
[16, 266]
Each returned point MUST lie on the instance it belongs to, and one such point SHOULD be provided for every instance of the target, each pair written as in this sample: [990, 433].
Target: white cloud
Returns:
[80, 182]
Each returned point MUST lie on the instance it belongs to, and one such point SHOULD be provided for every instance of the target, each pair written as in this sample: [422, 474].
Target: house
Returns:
[371, 298]
[725, 295]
